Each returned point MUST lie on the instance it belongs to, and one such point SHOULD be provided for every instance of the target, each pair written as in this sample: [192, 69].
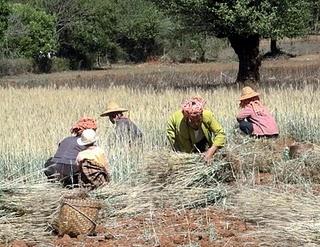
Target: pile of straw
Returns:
[302, 170]
[283, 218]
[165, 179]
[168, 179]
[26, 210]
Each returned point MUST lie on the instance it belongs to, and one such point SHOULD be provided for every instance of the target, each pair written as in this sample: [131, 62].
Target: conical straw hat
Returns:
[112, 107]
[247, 93]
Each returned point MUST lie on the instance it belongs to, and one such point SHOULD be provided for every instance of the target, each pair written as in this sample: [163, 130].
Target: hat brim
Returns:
[249, 96]
[81, 143]
[106, 113]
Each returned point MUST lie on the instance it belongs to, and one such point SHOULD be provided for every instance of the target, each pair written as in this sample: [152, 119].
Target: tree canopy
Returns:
[31, 31]
[4, 13]
[243, 22]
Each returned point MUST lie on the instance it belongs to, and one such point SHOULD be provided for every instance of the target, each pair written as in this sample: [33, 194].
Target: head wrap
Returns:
[82, 124]
[192, 108]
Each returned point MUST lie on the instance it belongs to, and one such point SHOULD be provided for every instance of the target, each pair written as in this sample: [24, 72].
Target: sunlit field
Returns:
[34, 119]
[275, 196]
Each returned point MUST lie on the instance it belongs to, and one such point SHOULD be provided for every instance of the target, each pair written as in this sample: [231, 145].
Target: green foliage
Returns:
[315, 21]
[30, 31]
[15, 66]
[267, 18]
[4, 13]
[141, 28]
[85, 29]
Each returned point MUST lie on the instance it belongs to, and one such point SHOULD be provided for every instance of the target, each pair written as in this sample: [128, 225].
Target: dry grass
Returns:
[282, 218]
[35, 119]
[168, 179]
[26, 210]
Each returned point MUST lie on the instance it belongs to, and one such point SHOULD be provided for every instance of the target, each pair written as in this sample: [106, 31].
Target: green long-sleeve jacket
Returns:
[182, 136]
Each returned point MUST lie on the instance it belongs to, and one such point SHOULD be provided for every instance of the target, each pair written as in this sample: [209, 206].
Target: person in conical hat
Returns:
[193, 129]
[254, 118]
[125, 129]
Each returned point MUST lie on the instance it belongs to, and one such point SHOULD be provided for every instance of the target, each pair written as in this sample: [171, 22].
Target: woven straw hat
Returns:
[88, 136]
[112, 107]
[247, 93]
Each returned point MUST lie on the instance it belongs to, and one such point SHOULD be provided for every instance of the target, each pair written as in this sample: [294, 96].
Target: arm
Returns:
[244, 113]
[171, 133]
[218, 140]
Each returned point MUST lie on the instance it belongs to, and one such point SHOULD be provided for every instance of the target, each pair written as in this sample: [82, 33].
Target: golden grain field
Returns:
[35, 119]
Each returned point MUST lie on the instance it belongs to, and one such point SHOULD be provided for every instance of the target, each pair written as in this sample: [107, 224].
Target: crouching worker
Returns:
[194, 129]
[254, 118]
[62, 166]
[92, 162]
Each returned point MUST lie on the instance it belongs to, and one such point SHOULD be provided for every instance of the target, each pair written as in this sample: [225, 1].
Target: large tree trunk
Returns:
[247, 49]
[273, 47]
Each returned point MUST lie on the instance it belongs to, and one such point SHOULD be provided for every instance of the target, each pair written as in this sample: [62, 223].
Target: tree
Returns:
[140, 28]
[289, 23]
[4, 13]
[85, 29]
[243, 22]
[31, 33]
[315, 21]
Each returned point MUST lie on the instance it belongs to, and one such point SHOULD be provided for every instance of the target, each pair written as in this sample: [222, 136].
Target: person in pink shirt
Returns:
[254, 118]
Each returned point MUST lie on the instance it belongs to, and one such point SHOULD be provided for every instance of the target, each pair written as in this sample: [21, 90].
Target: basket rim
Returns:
[79, 202]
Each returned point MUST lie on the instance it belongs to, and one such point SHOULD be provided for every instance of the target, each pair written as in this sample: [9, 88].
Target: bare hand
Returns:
[209, 153]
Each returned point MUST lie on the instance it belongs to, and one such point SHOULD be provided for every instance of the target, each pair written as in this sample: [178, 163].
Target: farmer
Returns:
[194, 129]
[62, 166]
[254, 118]
[125, 129]
[92, 162]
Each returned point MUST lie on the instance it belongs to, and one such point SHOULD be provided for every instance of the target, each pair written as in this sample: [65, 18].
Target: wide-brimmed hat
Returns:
[112, 107]
[247, 93]
[88, 136]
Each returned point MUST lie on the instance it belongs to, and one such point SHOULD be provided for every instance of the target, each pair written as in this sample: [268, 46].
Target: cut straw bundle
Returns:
[283, 218]
[302, 170]
[168, 179]
[26, 210]
[181, 170]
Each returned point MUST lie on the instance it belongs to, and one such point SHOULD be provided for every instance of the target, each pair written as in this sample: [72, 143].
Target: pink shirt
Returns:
[263, 122]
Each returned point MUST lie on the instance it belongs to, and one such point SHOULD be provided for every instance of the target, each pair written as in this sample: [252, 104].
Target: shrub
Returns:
[15, 66]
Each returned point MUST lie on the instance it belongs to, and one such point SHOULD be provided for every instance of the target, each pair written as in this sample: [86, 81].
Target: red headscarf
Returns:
[193, 108]
[82, 124]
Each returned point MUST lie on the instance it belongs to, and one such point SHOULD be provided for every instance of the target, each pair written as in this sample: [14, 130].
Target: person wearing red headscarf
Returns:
[62, 166]
[195, 129]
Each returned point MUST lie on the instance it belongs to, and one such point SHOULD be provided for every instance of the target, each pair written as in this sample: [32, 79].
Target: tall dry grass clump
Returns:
[282, 217]
[168, 179]
[27, 209]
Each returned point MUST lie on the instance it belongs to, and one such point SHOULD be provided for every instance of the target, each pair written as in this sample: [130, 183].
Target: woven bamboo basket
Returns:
[78, 216]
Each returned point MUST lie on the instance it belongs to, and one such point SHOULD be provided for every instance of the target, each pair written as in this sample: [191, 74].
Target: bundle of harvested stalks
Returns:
[26, 209]
[168, 179]
[283, 218]
[303, 170]
[182, 170]
[253, 154]
[120, 200]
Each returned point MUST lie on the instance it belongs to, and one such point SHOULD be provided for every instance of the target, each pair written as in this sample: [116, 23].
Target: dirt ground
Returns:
[194, 228]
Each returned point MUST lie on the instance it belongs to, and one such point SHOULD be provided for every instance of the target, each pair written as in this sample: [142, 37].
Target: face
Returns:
[113, 116]
[195, 122]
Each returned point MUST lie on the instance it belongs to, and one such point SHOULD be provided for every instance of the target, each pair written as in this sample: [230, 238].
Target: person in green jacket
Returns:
[194, 129]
